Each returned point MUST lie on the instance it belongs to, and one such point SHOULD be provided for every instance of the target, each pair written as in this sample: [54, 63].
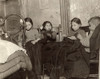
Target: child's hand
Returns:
[35, 41]
[72, 38]
[79, 36]
[28, 63]
[23, 65]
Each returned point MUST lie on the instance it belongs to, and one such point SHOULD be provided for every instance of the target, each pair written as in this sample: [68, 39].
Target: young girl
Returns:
[47, 32]
[80, 68]
[31, 34]
[76, 29]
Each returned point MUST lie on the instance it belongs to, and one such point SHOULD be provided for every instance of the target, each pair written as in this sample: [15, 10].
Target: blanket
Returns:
[59, 58]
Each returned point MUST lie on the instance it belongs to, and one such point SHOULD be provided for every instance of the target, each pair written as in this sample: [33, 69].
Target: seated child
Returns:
[80, 67]
[76, 31]
[30, 33]
[47, 32]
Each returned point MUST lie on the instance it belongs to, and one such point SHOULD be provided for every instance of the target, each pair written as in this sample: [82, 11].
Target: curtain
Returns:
[24, 7]
[65, 16]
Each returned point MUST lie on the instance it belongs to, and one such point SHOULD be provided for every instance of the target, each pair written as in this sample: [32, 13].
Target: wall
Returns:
[12, 7]
[38, 10]
[1, 8]
[84, 9]
[9, 7]
[42, 10]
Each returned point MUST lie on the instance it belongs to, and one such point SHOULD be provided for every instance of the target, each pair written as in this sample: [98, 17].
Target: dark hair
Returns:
[29, 20]
[76, 20]
[95, 17]
[44, 24]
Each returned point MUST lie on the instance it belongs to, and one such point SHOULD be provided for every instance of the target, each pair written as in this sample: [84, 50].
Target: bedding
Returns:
[59, 58]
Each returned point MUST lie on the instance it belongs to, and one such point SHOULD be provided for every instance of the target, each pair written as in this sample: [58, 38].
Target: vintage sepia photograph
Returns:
[49, 39]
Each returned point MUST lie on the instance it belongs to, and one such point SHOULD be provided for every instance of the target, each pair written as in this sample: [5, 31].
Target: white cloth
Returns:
[6, 49]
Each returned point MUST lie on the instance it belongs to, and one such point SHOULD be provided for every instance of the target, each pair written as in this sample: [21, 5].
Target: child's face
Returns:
[48, 27]
[28, 25]
[75, 26]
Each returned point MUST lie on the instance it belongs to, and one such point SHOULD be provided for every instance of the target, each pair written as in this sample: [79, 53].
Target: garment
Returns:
[85, 36]
[20, 74]
[95, 39]
[34, 52]
[9, 52]
[95, 43]
[48, 35]
[7, 48]
[86, 41]
[59, 58]
[31, 35]
[85, 28]
[79, 31]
